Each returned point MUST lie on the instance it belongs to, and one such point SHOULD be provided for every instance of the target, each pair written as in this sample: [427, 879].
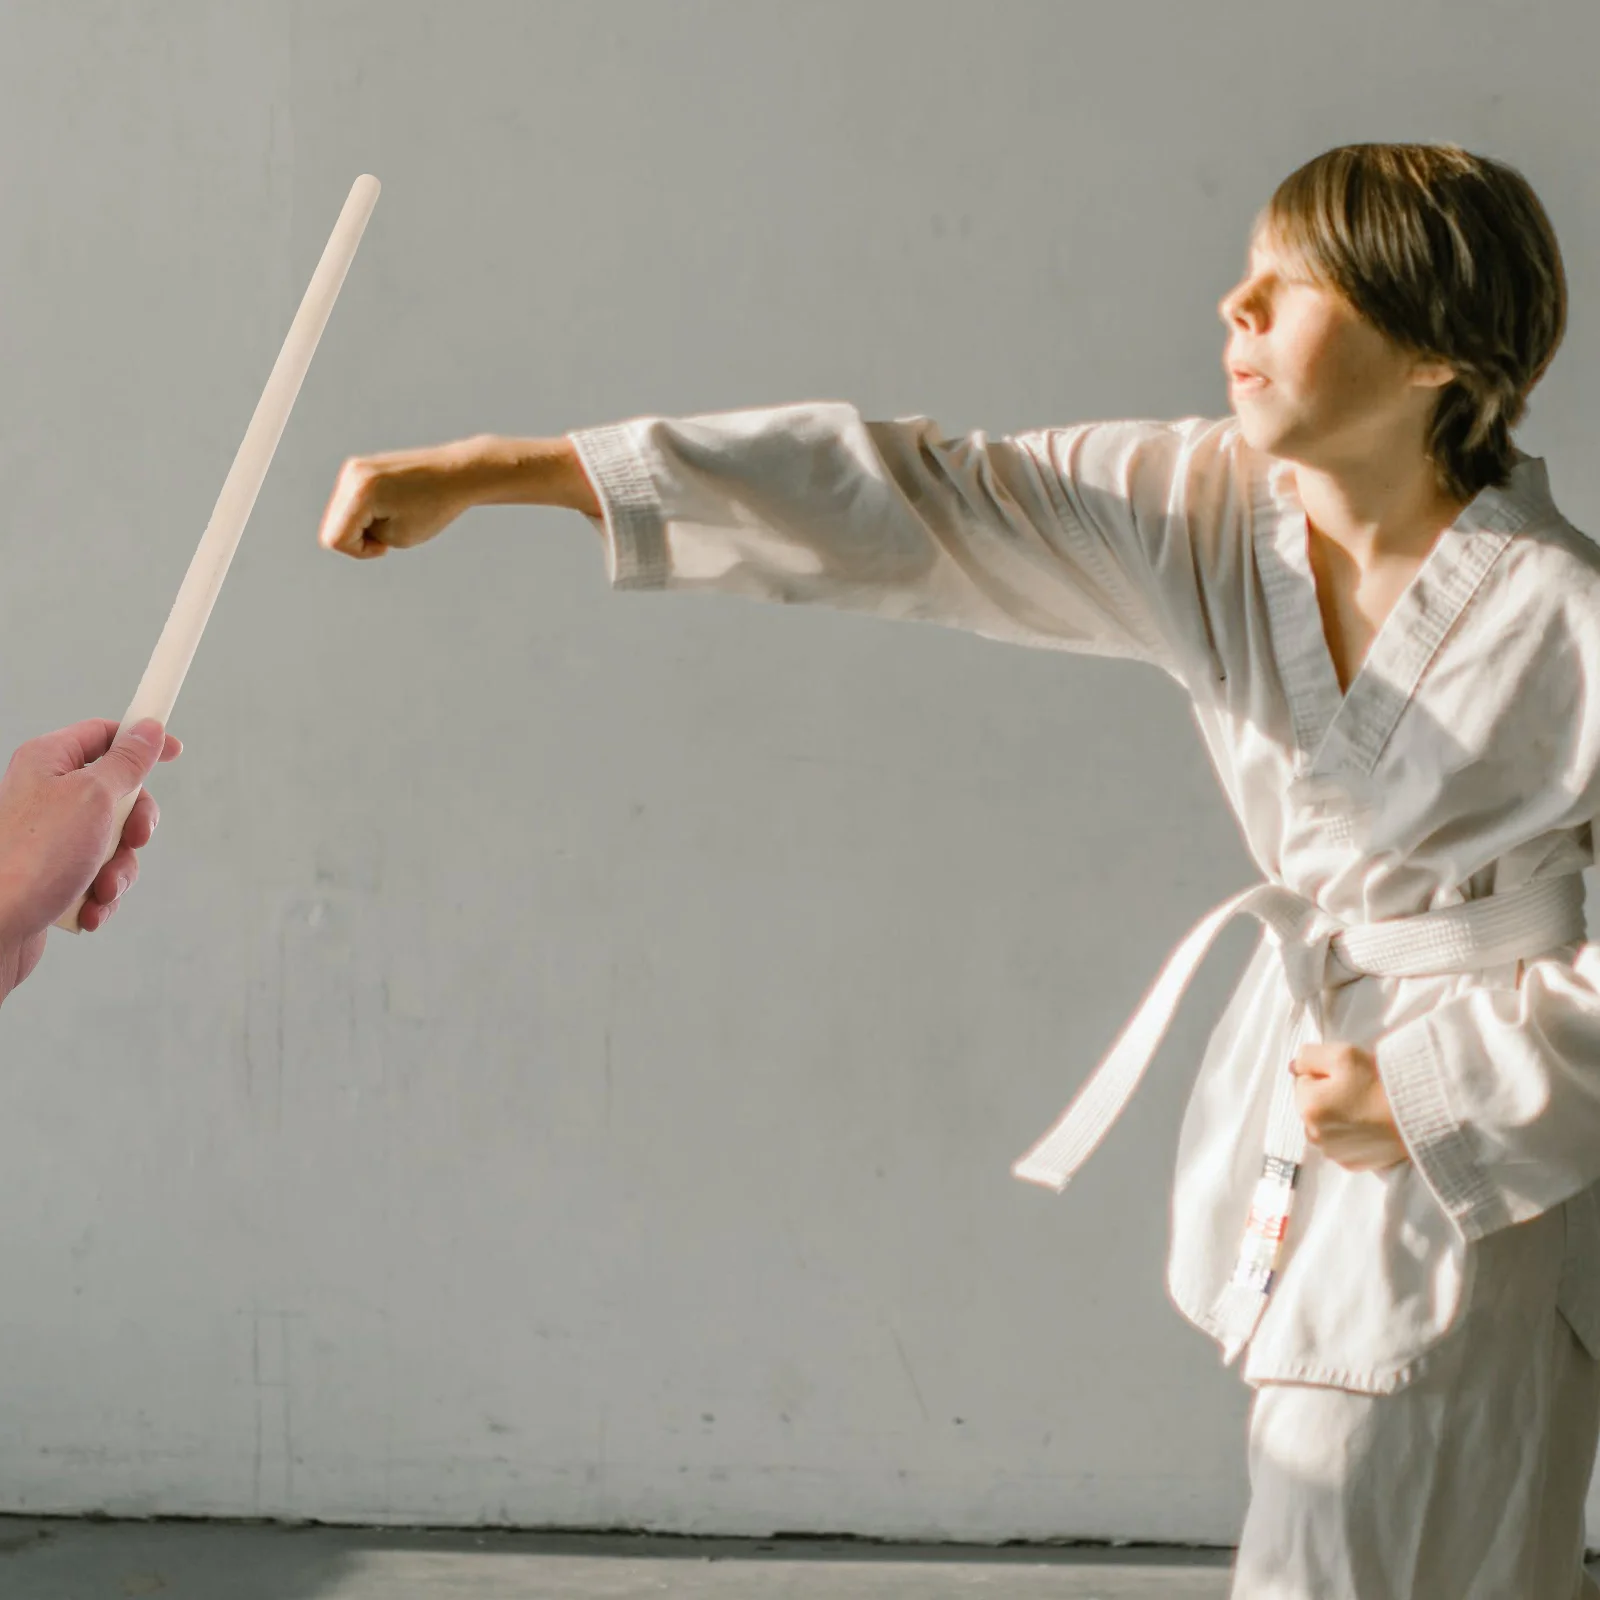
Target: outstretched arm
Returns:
[1076, 539]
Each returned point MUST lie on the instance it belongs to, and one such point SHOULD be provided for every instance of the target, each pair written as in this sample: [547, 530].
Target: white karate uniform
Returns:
[1462, 763]
[1466, 1484]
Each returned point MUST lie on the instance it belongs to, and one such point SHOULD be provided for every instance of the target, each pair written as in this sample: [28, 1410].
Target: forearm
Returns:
[501, 471]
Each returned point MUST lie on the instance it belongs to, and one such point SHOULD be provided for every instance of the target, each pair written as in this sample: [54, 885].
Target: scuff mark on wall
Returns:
[905, 1362]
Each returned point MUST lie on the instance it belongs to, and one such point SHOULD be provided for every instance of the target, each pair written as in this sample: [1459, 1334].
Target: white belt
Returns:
[1312, 945]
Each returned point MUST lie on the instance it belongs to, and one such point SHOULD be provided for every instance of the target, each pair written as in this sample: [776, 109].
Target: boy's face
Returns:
[1310, 379]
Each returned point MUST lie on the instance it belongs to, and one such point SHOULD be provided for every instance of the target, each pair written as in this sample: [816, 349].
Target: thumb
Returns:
[133, 753]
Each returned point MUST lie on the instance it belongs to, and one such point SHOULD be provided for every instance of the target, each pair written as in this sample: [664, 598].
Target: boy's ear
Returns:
[1428, 374]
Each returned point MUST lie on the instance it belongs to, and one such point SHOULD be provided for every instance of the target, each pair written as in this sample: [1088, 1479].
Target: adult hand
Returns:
[1343, 1105]
[57, 804]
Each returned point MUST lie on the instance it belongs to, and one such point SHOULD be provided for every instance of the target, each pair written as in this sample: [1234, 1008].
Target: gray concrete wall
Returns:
[561, 1062]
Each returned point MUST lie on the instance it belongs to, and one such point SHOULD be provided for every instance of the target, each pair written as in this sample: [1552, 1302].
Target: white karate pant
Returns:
[1468, 1484]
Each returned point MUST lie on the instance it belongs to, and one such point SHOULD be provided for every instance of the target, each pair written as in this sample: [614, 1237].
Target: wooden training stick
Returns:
[158, 689]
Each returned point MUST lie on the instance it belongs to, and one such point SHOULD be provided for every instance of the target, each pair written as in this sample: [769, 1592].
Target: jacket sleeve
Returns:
[1070, 539]
[1496, 1092]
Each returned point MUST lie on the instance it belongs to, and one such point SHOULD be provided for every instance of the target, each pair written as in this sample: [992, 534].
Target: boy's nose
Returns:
[1234, 308]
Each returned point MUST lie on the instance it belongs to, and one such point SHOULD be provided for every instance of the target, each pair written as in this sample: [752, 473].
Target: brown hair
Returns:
[1451, 256]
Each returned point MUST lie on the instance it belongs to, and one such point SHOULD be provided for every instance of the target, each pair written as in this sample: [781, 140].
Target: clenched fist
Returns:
[396, 500]
[1343, 1105]
[404, 497]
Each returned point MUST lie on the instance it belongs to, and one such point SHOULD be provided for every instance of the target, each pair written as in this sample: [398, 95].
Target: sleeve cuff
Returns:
[631, 518]
[1441, 1149]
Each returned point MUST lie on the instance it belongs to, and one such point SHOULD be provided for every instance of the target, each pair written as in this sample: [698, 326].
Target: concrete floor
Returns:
[50, 1559]
[69, 1559]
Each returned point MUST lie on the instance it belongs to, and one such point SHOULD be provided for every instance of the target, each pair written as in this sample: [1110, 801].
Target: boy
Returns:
[1389, 638]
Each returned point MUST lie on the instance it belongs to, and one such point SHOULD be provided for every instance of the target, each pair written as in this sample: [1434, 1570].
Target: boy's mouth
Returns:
[1241, 375]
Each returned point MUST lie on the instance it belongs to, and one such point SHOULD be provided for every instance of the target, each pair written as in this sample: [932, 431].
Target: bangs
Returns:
[1360, 220]
[1300, 248]
[1336, 223]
